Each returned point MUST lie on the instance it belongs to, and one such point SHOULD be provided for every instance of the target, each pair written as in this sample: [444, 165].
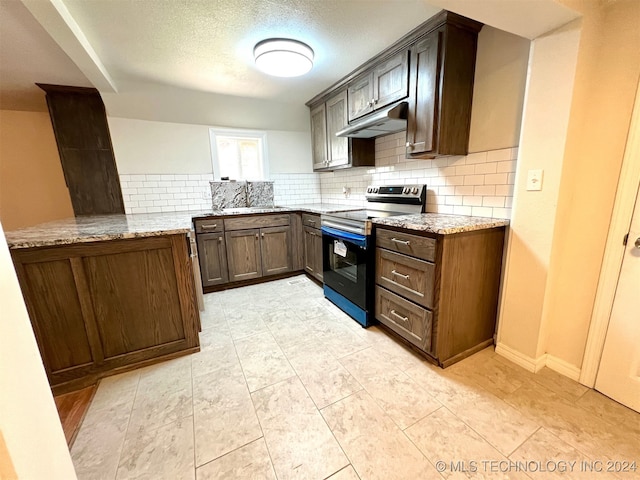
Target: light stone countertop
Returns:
[441, 223]
[94, 228]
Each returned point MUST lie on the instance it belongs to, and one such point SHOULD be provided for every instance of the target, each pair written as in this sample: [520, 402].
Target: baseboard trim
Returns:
[563, 367]
[528, 363]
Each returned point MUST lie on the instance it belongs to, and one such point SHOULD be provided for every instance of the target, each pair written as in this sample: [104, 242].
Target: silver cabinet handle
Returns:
[403, 242]
[311, 221]
[257, 236]
[395, 314]
[637, 243]
[220, 239]
[209, 227]
[262, 234]
[406, 277]
[409, 145]
[374, 101]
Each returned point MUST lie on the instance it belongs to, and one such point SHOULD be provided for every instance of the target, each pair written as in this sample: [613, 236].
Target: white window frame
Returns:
[241, 133]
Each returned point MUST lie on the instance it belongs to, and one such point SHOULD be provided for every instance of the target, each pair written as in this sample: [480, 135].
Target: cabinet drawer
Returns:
[242, 223]
[406, 276]
[421, 247]
[309, 220]
[211, 225]
[405, 318]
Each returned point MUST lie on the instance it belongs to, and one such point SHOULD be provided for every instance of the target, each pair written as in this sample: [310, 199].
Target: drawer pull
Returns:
[311, 221]
[406, 277]
[395, 314]
[209, 227]
[403, 242]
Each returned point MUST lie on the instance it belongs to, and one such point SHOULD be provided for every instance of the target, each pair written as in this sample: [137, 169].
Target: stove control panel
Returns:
[390, 191]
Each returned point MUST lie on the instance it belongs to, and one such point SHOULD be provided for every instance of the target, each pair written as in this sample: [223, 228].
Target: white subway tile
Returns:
[504, 190]
[478, 157]
[154, 209]
[472, 201]
[152, 196]
[502, 213]
[464, 190]
[508, 202]
[134, 184]
[499, 155]
[170, 208]
[462, 210]
[465, 170]
[146, 203]
[137, 178]
[153, 178]
[474, 180]
[484, 190]
[508, 166]
[124, 177]
[167, 177]
[511, 178]
[489, 167]
[139, 210]
[129, 191]
[453, 200]
[496, 179]
[493, 202]
[481, 211]
[137, 197]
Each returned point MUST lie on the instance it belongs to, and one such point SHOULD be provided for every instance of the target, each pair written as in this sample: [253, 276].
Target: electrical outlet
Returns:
[534, 180]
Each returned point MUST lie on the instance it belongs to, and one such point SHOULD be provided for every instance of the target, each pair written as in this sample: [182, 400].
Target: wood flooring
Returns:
[72, 408]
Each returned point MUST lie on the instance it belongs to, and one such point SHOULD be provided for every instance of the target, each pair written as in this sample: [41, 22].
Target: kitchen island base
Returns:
[104, 307]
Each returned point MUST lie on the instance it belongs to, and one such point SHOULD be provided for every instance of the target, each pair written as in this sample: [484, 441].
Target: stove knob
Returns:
[414, 190]
[369, 189]
[405, 190]
[375, 189]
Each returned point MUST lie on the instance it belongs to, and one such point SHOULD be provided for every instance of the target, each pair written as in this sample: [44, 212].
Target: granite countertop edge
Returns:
[99, 228]
[441, 224]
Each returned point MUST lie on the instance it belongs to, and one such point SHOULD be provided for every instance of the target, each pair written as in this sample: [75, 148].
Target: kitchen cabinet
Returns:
[248, 247]
[385, 83]
[329, 151]
[312, 246]
[439, 292]
[98, 307]
[212, 251]
[82, 134]
[441, 91]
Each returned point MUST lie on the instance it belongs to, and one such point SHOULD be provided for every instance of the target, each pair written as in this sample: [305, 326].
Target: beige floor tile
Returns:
[152, 410]
[402, 399]
[549, 457]
[443, 437]
[244, 323]
[374, 444]
[97, 448]
[164, 453]
[445, 385]
[262, 361]
[325, 379]
[115, 390]
[214, 338]
[209, 361]
[559, 384]
[172, 375]
[347, 473]
[224, 417]
[251, 461]
[300, 444]
[609, 410]
[587, 433]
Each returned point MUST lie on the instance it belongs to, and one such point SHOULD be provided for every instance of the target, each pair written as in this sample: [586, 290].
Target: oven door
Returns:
[344, 258]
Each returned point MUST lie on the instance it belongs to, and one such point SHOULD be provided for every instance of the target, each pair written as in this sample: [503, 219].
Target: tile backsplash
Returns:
[151, 193]
[478, 184]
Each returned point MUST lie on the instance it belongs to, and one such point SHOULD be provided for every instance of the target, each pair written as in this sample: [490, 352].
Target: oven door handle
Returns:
[360, 240]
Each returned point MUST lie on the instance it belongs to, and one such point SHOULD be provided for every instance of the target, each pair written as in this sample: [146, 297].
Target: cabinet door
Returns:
[317, 249]
[313, 252]
[243, 254]
[276, 250]
[319, 136]
[213, 259]
[423, 106]
[56, 313]
[338, 147]
[360, 96]
[391, 80]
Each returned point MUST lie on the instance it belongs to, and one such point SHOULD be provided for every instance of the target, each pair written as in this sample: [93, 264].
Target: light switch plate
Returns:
[534, 180]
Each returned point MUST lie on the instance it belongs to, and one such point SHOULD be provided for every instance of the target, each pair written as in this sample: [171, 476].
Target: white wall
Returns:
[28, 418]
[552, 66]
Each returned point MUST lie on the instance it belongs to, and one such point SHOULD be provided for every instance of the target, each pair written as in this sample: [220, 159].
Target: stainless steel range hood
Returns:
[390, 119]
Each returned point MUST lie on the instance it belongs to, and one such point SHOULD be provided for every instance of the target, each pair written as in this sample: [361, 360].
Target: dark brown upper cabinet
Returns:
[385, 83]
[80, 126]
[433, 67]
[441, 91]
[331, 152]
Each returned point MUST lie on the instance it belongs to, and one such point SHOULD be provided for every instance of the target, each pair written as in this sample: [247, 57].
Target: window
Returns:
[239, 154]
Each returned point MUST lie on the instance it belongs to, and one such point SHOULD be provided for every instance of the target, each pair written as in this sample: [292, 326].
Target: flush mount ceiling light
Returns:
[282, 57]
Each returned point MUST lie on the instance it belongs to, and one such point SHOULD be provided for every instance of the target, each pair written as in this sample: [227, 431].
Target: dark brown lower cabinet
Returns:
[313, 252]
[275, 249]
[439, 292]
[243, 254]
[213, 253]
[99, 308]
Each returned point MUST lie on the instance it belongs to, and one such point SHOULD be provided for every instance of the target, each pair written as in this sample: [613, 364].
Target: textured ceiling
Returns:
[207, 45]
[28, 55]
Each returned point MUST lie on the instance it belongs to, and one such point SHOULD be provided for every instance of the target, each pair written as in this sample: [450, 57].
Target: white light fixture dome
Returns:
[282, 57]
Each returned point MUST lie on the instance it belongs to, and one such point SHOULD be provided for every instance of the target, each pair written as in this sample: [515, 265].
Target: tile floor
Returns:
[287, 386]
